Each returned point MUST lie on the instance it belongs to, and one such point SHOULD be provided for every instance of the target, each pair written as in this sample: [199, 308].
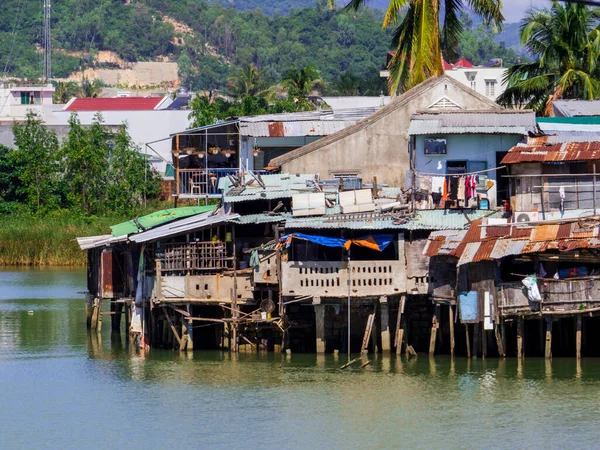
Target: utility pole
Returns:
[47, 43]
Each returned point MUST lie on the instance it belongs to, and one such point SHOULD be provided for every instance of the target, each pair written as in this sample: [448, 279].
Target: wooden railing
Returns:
[557, 295]
[194, 257]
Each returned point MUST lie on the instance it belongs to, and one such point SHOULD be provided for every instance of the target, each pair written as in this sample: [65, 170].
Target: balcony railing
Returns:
[557, 295]
[202, 182]
[194, 257]
[330, 279]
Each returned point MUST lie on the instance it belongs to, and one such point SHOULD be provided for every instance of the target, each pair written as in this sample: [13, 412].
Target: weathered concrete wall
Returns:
[211, 288]
[378, 146]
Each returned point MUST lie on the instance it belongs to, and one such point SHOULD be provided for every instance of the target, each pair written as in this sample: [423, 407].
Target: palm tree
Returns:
[248, 81]
[428, 28]
[347, 84]
[300, 83]
[565, 39]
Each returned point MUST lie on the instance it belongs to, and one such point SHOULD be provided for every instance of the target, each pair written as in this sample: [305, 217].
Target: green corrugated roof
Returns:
[591, 120]
[157, 218]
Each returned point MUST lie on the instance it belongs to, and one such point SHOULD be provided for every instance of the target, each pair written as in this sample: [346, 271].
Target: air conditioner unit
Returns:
[527, 216]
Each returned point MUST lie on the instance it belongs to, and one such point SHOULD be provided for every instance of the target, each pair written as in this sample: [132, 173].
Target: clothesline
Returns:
[457, 174]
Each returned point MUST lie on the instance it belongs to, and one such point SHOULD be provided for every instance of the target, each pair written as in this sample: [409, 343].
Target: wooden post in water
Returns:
[501, 351]
[384, 315]
[88, 310]
[520, 335]
[451, 322]
[548, 350]
[434, 329]
[367, 336]
[319, 324]
[399, 328]
[476, 339]
[578, 324]
[467, 341]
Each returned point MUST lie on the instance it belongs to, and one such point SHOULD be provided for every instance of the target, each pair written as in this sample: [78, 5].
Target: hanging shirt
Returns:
[460, 194]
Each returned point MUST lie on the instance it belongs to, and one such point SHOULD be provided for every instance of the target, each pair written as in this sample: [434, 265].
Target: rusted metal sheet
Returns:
[564, 231]
[106, 274]
[484, 251]
[469, 253]
[545, 233]
[566, 151]
[276, 129]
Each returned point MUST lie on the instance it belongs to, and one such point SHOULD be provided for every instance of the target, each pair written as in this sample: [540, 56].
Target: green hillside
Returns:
[222, 39]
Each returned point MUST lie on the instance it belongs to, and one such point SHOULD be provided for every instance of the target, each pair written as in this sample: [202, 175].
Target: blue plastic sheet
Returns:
[469, 306]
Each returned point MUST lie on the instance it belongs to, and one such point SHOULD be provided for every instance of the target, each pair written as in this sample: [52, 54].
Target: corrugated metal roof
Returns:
[293, 128]
[424, 220]
[256, 219]
[431, 127]
[276, 186]
[183, 226]
[568, 151]
[574, 108]
[573, 136]
[481, 243]
[86, 243]
[465, 122]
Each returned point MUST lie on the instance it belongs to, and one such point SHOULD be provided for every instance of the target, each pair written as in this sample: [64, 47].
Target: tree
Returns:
[130, 177]
[203, 111]
[428, 28]
[248, 81]
[300, 83]
[565, 39]
[65, 91]
[347, 84]
[85, 156]
[36, 163]
[90, 88]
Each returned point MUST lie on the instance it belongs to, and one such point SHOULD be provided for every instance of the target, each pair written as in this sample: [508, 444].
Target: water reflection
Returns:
[280, 401]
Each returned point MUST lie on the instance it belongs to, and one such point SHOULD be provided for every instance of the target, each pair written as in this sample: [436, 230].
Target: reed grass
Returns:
[47, 241]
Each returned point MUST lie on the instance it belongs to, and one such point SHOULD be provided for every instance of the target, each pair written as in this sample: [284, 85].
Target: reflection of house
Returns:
[378, 145]
[455, 155]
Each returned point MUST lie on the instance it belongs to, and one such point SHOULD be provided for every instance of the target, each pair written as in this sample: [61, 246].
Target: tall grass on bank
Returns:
[47, 241]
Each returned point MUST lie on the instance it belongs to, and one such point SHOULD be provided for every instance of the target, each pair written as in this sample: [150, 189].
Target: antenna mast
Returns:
[47, 43]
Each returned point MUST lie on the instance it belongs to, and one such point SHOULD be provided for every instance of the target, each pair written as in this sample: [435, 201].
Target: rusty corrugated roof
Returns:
[536, 151]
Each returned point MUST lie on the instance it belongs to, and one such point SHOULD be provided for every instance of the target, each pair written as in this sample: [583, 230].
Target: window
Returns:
[490, 88]
[435, 146]
[474, 85]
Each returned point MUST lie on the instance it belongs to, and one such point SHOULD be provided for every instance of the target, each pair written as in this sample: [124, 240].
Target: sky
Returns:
[514, 10]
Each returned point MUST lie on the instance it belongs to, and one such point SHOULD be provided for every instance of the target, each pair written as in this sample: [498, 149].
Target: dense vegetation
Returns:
[565, 40]
[95, 170]
[222, 41]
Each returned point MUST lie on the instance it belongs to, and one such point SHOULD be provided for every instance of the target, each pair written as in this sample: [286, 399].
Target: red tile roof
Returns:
[447, 65]
[114, 104]
[463, 63]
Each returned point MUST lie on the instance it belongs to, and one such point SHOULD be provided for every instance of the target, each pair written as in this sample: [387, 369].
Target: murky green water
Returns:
[61, 389]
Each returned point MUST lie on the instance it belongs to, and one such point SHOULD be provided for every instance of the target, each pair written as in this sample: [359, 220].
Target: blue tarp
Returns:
[377, 242]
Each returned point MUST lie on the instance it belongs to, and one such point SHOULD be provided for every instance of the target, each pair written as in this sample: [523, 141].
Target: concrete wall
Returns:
[378, 146]
[475, 78]
[469, 147]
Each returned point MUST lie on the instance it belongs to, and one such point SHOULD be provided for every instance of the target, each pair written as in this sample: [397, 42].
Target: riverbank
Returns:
[48, 241]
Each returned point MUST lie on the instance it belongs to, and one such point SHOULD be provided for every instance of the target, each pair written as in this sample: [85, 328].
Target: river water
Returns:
[62, 389]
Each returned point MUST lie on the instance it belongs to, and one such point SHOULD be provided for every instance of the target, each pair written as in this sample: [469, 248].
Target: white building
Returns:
[486, 80]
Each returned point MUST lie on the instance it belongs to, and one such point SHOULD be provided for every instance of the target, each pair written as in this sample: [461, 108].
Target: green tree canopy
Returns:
[565, 41]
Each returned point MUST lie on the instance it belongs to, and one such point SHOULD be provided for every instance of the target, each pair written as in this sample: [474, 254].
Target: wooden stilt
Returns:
[367, 336]
[95, 314]
[548, 350]
[520, 336]
[483, 342]
[578, 324]
[99, 316]
[467, 340]
[384, 315]
[476, 340]
[399, 339]
[89, 305]
[172, 325]
[499, 342]
[434, 329]
[320, 325]
[451, 323]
